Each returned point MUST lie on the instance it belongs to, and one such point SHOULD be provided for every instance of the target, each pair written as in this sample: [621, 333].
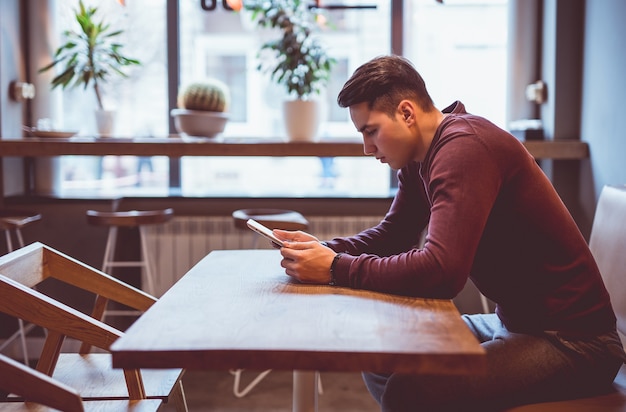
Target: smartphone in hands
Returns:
[264, 231]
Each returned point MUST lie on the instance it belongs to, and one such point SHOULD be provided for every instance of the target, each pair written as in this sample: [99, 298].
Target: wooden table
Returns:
[237, 309]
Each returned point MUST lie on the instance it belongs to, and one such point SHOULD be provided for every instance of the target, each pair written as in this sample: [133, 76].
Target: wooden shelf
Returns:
[558, 149]
[177, 147]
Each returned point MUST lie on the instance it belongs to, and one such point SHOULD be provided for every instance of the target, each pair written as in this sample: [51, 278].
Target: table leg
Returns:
[305, 391]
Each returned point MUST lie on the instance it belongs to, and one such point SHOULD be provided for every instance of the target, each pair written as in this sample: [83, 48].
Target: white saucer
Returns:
[52, 133]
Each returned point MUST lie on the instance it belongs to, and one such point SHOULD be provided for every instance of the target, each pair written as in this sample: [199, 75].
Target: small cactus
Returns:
[210, 95]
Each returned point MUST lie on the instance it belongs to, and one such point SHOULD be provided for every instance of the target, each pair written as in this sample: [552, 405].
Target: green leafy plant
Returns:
[90, 55]
[297, 59]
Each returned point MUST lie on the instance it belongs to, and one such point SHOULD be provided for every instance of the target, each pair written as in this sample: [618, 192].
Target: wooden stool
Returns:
[11, 222]
[132, 218]
[272, 218]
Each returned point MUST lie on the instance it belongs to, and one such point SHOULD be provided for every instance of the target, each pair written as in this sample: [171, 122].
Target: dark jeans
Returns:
[521, 369]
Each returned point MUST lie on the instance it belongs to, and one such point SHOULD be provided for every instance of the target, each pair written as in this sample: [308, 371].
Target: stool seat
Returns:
[11, 219]
[272, 218]
[131, 218]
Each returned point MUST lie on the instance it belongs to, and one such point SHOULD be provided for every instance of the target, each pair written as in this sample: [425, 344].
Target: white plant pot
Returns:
[105, 122]
[199, 122]
[302, 119]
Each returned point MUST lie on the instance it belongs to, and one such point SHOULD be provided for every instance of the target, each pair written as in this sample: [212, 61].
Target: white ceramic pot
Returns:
[302, 119]
[199, 122]
[105, 122]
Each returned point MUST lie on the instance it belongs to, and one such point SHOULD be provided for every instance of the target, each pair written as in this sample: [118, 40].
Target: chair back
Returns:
[608, 245]
[37, 262]
[34, 386]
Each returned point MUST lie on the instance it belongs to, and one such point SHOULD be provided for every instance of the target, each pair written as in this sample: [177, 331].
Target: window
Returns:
[224, 44]
[458, 46]
[140, 102]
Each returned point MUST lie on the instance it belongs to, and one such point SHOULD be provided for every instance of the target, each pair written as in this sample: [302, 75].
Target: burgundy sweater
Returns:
[493, 216]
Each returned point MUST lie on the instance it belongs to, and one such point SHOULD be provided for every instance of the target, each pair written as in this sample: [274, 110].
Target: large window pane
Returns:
[460, 48]
[284, 177]
[224, 44]
[139, 101]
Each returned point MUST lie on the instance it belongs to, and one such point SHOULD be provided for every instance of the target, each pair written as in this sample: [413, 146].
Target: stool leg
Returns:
[7, 235]
[147, 260]
[21, 333]
[109, 250]
[240, 393]
[20, 239]
[109, 263]
[23, 340]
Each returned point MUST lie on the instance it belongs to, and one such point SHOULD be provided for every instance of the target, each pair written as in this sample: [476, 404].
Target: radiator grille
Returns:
[182, 242]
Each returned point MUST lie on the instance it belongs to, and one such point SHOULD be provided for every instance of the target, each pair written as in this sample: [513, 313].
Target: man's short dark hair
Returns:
[383, 82]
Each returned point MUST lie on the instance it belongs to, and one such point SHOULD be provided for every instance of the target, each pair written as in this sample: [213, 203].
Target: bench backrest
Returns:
[608, 245]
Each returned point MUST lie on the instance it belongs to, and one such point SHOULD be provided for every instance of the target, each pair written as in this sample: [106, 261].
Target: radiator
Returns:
[179, 244]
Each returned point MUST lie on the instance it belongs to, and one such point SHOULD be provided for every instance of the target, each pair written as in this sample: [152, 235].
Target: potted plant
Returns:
[296, 60]
[90, 56]
[202, 108]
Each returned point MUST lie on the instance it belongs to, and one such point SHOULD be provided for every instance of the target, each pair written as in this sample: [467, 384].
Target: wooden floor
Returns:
[213, 391]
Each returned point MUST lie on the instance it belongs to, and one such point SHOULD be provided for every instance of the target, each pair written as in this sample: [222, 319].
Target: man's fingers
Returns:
[286, 234]
[294, 236]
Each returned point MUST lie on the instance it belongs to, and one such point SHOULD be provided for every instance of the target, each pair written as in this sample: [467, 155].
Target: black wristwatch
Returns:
[333, 281]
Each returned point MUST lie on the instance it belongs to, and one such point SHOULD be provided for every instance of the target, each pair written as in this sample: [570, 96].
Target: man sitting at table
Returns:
[491, 215]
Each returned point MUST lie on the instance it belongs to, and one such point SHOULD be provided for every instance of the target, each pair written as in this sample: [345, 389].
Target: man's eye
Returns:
[370, 132]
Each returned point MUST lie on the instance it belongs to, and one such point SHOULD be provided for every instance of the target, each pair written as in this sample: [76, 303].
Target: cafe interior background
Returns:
[483, 52]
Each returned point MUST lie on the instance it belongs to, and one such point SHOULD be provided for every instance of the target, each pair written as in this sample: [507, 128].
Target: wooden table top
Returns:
[177, 147]
[238, 309]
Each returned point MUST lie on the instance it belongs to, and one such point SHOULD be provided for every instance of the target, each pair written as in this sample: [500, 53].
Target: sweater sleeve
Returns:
[455, 190]
[402, 227]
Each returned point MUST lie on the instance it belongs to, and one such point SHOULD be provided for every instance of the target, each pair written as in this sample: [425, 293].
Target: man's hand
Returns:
[304, 257]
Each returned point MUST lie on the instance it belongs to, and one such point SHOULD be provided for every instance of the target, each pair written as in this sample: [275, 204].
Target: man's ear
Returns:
[406, 110]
